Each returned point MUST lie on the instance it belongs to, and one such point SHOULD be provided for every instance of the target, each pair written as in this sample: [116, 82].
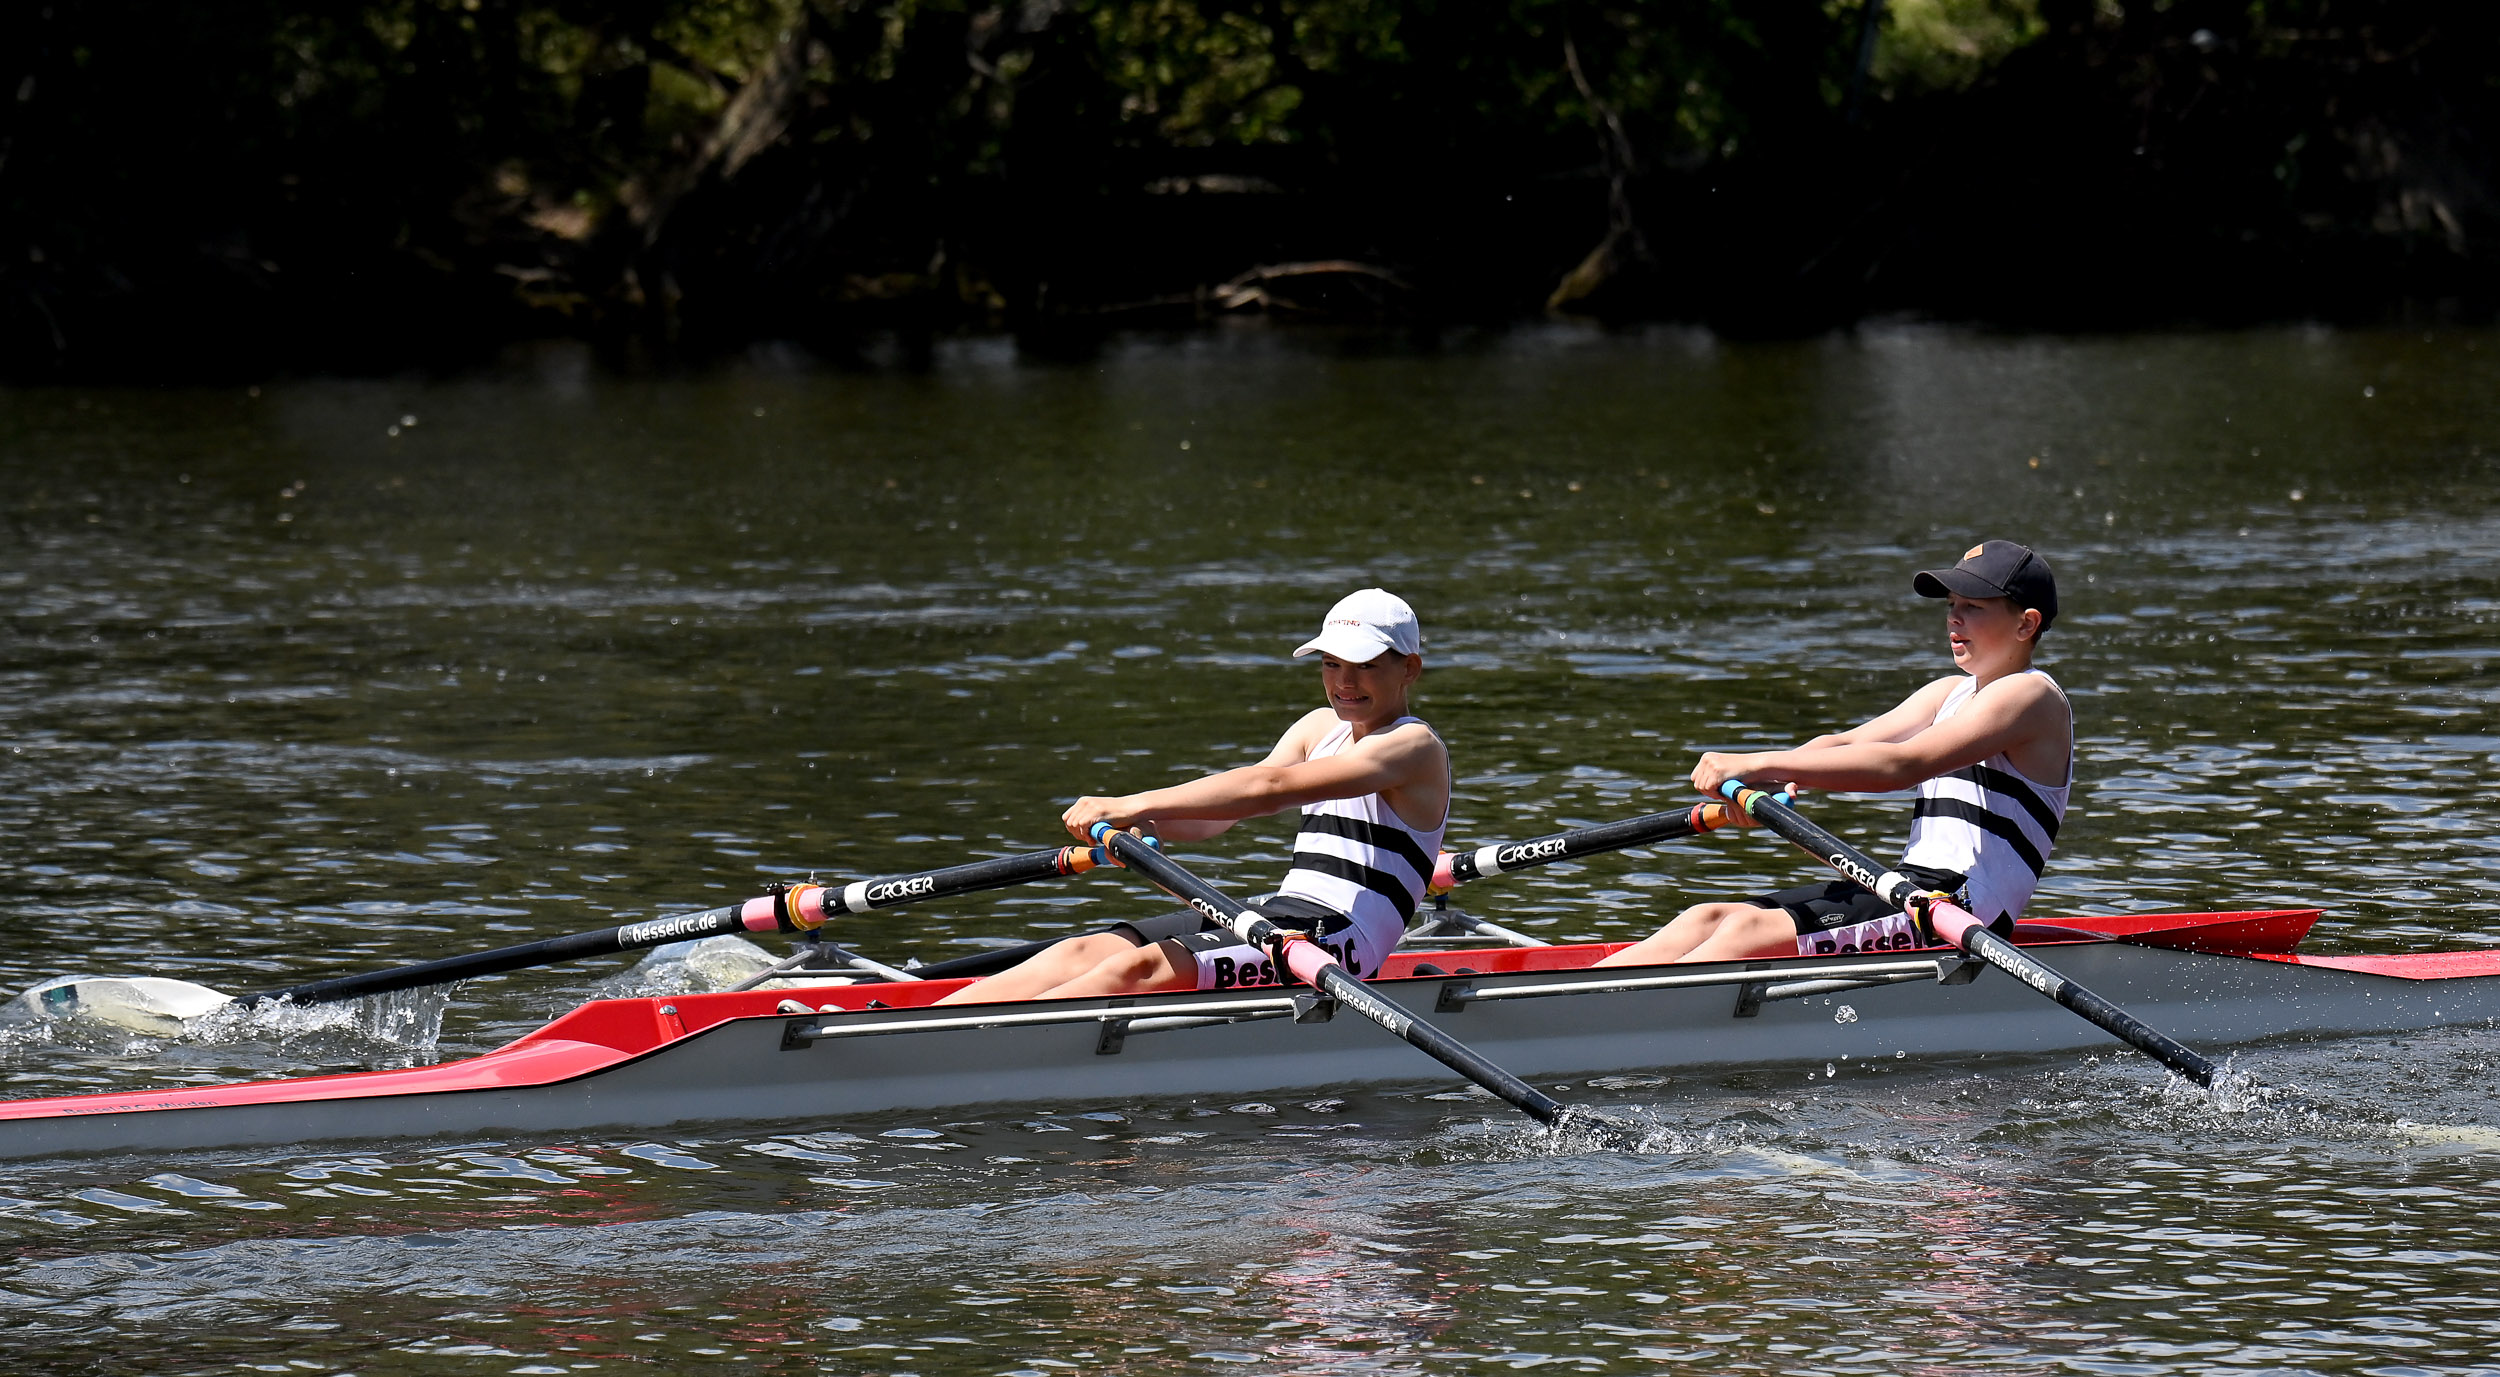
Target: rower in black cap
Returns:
[1991, 750]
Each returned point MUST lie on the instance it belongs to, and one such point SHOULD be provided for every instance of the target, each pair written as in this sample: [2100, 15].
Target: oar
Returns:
[1323, 972]
[1958, 926]
[1455, 868]
[153, 1002]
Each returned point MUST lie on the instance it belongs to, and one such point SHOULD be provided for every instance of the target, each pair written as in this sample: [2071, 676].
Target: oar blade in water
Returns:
[710, 963]
[141, 1003]
[164, 1007]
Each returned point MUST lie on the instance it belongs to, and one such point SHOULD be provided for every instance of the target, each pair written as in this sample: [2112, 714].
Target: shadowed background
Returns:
[291, 185]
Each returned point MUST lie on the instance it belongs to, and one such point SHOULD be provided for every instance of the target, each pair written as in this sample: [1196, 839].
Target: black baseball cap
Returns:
[1996, 569]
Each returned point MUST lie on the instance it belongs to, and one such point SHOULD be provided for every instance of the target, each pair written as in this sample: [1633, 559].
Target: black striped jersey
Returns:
[1356, 856]
[1990, 822]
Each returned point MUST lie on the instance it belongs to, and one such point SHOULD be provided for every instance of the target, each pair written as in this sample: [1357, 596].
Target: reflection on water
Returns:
[289, 695]
[1964, 1218]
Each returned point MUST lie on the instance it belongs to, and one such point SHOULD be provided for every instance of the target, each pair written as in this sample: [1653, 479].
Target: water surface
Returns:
[350, 673]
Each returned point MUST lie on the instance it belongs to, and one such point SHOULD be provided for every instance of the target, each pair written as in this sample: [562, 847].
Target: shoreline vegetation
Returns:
[210, 192]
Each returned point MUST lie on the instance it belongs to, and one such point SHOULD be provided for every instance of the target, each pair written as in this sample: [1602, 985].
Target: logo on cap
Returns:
[1363, 624]
[1973, 552]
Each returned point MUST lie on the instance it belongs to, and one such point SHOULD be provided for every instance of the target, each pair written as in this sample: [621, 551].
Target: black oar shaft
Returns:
[1458, 867]
[2124, 1026]
[547, 952]
[1972, 936]
[1455, 868]
[893, 891]
[813, 904]
[1324, 973]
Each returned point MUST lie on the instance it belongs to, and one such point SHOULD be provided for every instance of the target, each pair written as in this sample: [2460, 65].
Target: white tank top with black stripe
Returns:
[1356, 856]
[1989, 821]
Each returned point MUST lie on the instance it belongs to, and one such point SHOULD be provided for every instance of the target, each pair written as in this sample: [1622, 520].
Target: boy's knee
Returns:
[1768, 926]
[1095, 948]
[1138, 965]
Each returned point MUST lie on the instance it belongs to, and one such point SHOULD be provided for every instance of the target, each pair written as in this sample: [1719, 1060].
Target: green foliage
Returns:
[1945, 45]
[486, 167]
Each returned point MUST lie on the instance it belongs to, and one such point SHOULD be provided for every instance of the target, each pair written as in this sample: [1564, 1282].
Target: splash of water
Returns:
[2235, 1091]
[1631, 1130]
[697, 967]
[406, 1020]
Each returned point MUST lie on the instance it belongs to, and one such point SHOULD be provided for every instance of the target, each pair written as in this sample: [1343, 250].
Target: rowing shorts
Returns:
[1840, 918]
[1225, 962]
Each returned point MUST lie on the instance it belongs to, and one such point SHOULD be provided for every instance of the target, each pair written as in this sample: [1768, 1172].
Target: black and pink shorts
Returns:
[1225, 962]
[1840, 918]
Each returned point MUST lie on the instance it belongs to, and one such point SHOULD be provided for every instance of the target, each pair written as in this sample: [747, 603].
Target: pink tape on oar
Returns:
[1306, 960]
[1950, 920]
[807, 906]
[1444, 879]
[757, 915]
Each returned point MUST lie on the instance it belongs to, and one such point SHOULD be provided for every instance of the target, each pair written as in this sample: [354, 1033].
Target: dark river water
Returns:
[341, 674]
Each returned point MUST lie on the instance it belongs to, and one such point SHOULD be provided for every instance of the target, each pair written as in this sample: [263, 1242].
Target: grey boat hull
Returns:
[811, 1069]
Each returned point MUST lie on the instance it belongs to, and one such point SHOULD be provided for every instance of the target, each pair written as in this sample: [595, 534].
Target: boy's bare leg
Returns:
[1140, 970]
[1747, 934]
[1697, 931]
[1057, 966]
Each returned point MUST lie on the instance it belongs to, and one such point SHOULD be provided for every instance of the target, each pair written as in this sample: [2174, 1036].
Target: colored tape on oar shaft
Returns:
[1105, 854]
[776, 911]
[1076, 860]
[794, 909]
[1743, 814]
[1710, 817]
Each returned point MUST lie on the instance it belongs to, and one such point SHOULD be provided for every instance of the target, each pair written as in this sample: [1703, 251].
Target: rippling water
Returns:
[290, 694]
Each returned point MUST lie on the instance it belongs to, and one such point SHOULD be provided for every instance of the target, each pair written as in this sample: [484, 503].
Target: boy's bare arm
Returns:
[1288, 778]
[1904, 721]
[1907, 718]
[2001, 718]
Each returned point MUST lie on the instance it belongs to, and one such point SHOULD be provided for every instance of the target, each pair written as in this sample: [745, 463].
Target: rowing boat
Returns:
[822, 1051]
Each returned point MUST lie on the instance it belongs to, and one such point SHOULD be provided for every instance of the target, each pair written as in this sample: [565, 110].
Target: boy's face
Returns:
[1985, 632]
[1372, 689]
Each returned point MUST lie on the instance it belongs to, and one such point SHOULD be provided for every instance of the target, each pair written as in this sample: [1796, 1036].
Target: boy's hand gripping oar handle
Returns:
[794, 908]
[1958, 926]
[1305, 959]
[1456, 868]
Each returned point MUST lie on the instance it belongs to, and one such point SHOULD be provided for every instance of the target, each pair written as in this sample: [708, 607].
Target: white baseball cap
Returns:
[1363, 624]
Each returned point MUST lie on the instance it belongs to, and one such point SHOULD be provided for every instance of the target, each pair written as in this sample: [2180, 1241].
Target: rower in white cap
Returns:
[1373, 784]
